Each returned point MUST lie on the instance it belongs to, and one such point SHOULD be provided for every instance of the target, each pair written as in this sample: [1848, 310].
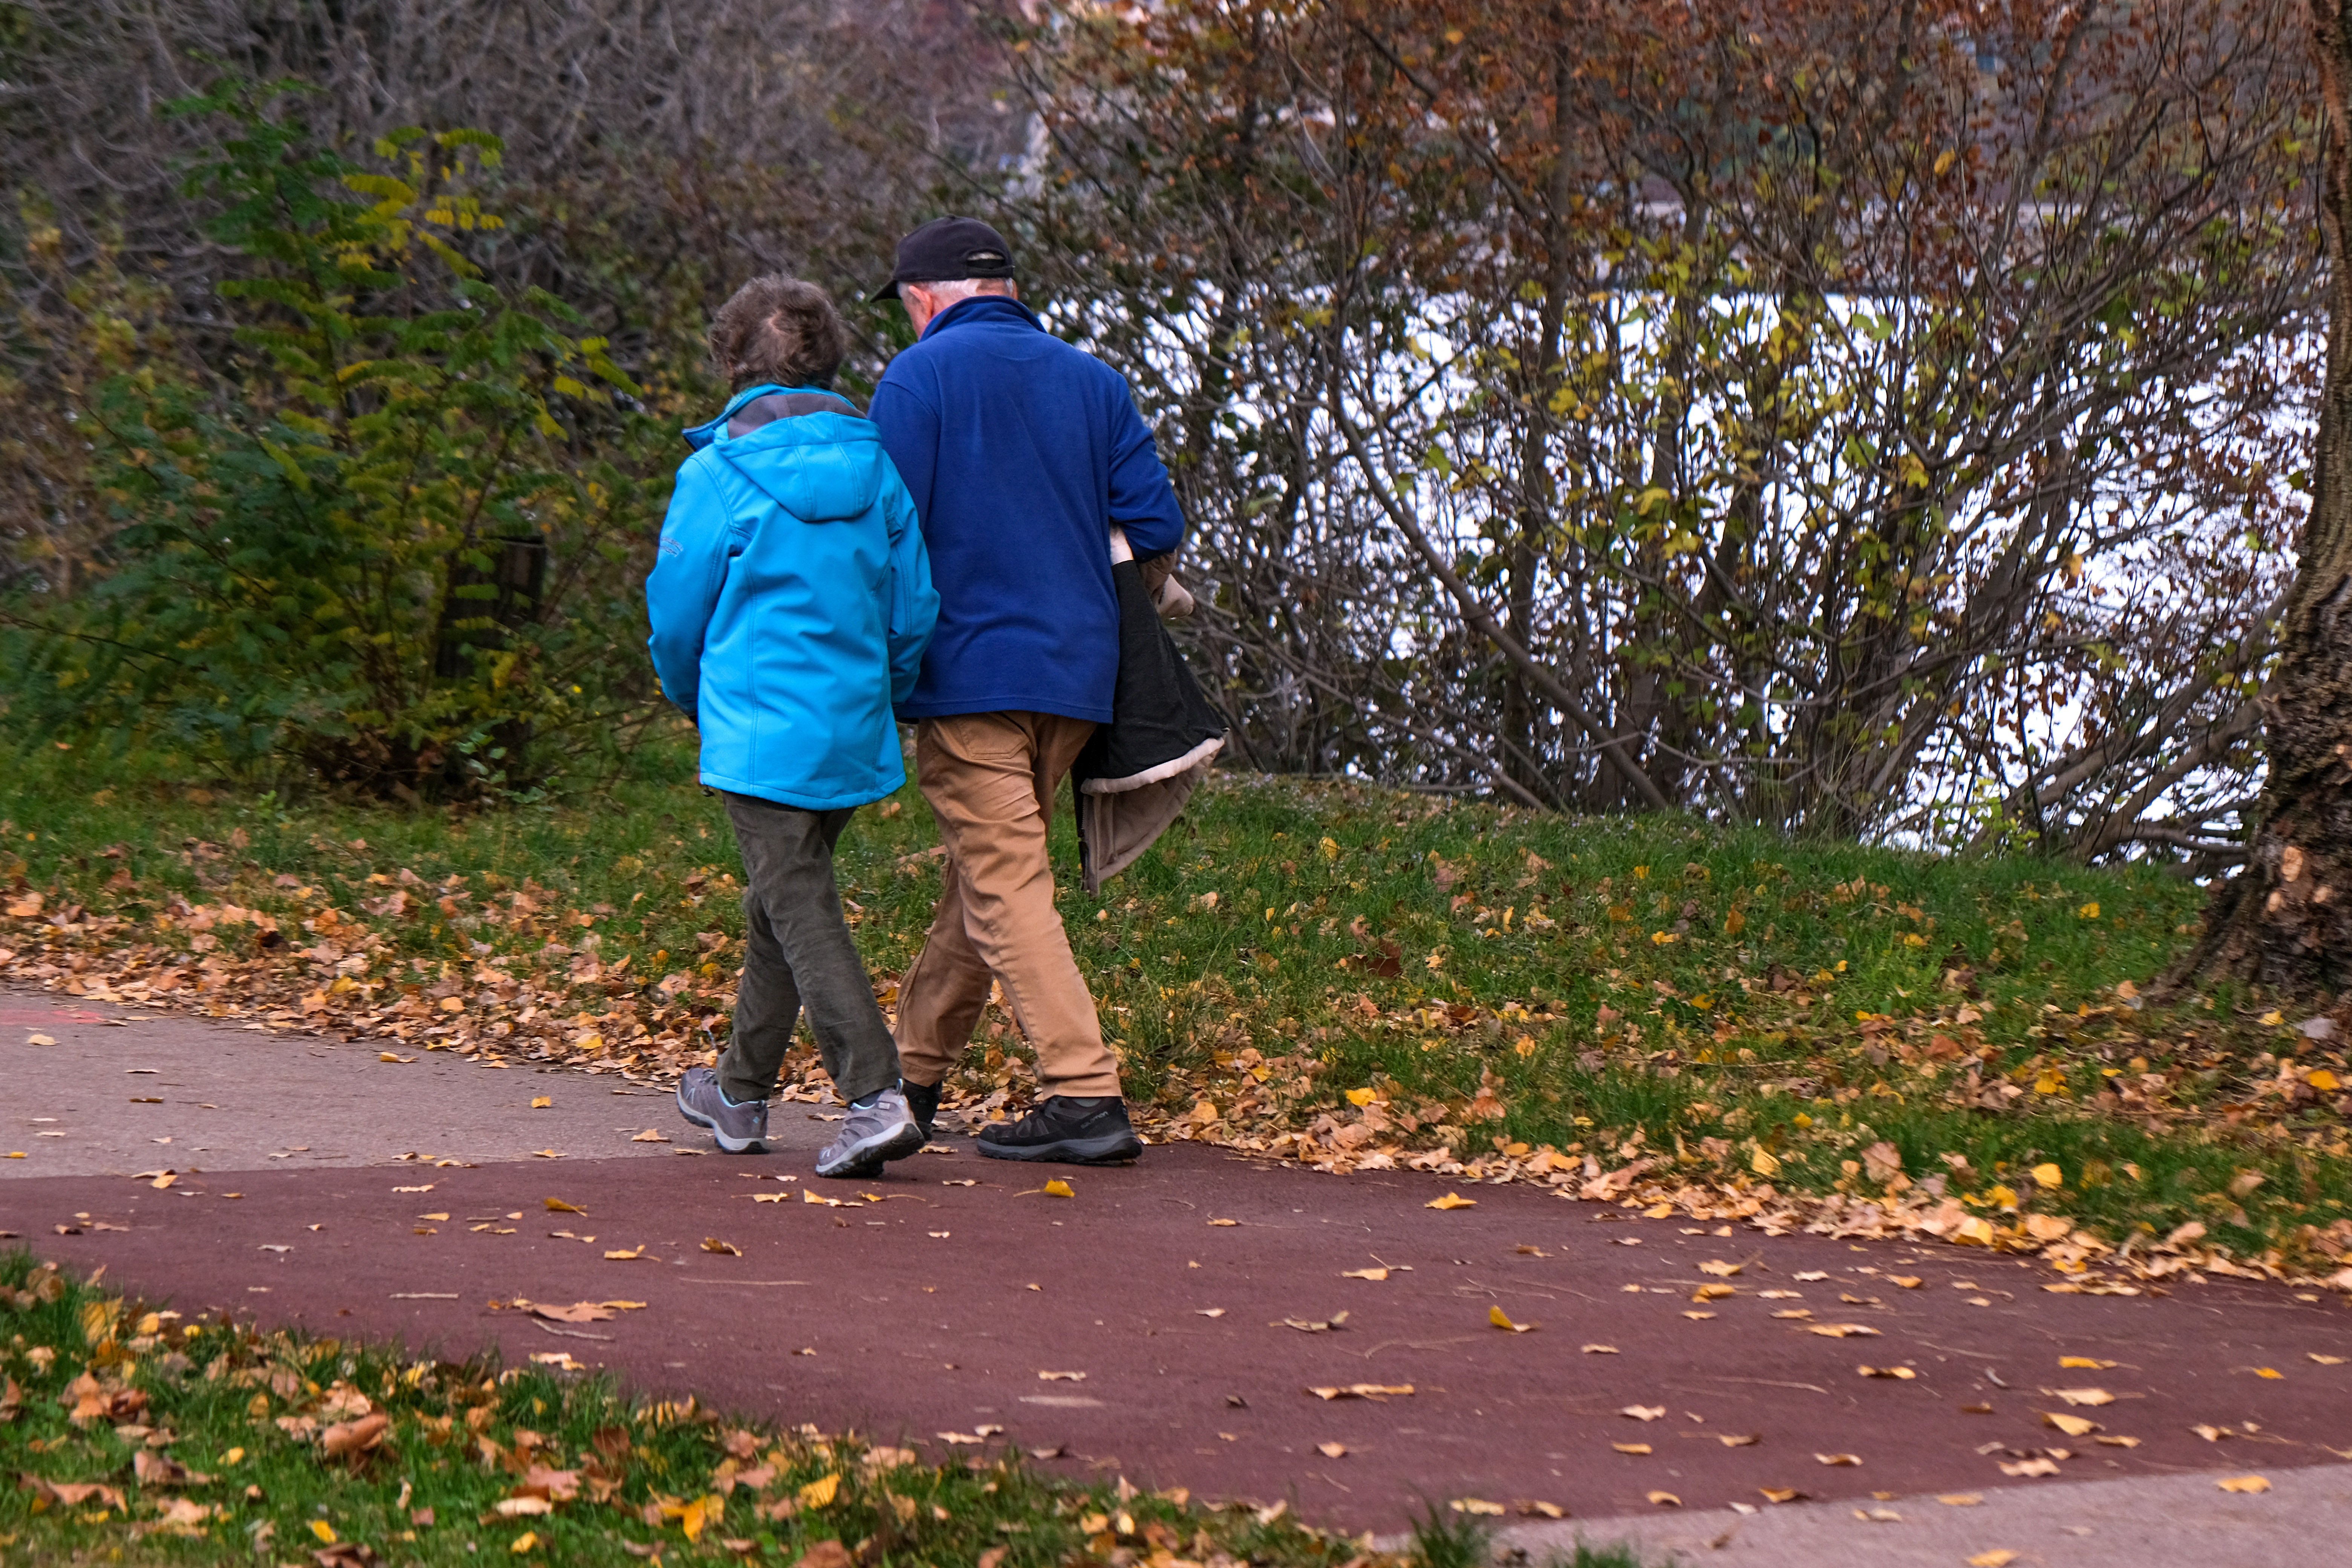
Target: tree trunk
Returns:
[2285, 920]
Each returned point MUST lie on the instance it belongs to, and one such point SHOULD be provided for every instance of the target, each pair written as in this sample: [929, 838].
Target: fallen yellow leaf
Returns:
[1224, 1221]
[1714, 1292]
[1643, 1412]
[1600, 1350]
[542, 1101]
[2268, 1371]
[1363, 1274]
[1903, 1373]
[2084, 1362]
[819, 1493]
[1501, 1320]
[649, 1136]
[1779, 1494]
[2322, 1081]
[1331, 1450]
[391, 1056]
[2084, 1395]
[1837, 1458]
[2325, 1360]
[1475, 1505]
[1718, 1268]
[1960, 1499]
[323, 1530]
[2073, 1425]
[1359, 1097]
[2113, 1441]
[1908, 1281]
[2000, 1557]
[557, 1206]
[1665, 1500]
[2243, 1484]
[1058, 1188]
[635, 1252]
[1061, 1377]
[1738, 1440]
[724, 1248]
[1842, 1330]
[1698, 1317]
[1452, 1201]
[1631, 1448]
[2049, 1175]
[1763, 1163]
[529, 1540]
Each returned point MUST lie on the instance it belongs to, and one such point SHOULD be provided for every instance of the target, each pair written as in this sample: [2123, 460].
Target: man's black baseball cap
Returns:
[945, 250]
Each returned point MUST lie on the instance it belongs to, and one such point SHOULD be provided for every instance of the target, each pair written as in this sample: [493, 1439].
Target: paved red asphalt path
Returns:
[916, 1334]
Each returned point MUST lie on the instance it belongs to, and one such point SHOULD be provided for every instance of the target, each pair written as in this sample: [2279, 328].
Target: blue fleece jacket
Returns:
[1020, 451]
[790, 604]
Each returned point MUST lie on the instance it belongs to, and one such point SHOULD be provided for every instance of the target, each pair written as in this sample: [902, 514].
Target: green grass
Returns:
[1724, 1001]
[247, 1419]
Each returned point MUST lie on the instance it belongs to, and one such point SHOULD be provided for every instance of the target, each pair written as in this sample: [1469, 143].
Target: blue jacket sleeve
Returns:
[914, 603]
[909, 428]
[683, 588]
[1143, 501]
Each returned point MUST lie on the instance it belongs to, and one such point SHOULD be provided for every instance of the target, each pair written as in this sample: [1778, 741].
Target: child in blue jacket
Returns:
[791, 604]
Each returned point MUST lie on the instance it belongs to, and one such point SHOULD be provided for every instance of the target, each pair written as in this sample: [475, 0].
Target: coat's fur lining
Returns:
[1154, 774]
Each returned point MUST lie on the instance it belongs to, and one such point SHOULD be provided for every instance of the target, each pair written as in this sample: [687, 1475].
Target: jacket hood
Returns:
[820, 467]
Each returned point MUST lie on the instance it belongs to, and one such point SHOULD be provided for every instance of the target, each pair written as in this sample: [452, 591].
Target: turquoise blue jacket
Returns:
[791, 604]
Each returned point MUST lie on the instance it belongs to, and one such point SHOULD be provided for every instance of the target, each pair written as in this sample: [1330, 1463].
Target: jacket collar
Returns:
[698, 436]
[981, 307]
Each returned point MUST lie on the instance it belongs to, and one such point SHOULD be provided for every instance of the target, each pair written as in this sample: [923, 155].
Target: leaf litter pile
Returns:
[1645, 1012]
[213, 1442]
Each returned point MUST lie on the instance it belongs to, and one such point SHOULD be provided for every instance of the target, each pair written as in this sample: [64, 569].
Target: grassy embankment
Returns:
[1346, 973]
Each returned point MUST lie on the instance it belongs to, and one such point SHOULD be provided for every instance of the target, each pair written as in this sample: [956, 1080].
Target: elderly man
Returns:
[1022, 454]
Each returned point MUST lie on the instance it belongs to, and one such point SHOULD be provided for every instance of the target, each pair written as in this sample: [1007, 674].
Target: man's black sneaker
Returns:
[1068, 1130]
[923, 1099]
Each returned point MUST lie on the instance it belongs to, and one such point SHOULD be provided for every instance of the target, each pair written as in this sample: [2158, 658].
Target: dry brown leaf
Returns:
[1475, 1505]
[1535, 1508]
[1631, 1448]
[1061, 1377]
[348, 1437]
[1363, 1274]
[577, 1312]
[1842, 1330]
[1331, 1450]
[1372, 1390]
[1717, 1267]
[1714, 1292]
[2036, 1465]
[1903, 1373]
[1665, 1500]
[1643, 1412]
[2084, 1395]
[1908, 1281]
[1960, 1499]
[2213, 1434]
[724, 1248]
[1781, 1494]
[1698, 1317]
[1600, 1350]
[2325, 1360]
[2113, 1440]
[1837, 1458]
[1735, 1440]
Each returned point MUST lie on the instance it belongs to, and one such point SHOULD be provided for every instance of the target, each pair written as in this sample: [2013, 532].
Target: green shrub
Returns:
[391, 539]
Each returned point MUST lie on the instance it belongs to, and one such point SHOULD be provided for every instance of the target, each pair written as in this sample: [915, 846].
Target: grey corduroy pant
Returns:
[798, 954]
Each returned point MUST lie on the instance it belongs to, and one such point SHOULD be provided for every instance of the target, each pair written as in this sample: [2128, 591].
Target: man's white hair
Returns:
[955, 288]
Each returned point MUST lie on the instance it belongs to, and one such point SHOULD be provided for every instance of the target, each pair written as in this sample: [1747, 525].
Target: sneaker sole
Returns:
[727, 1144]
[867, 1158]
[1111, 1149]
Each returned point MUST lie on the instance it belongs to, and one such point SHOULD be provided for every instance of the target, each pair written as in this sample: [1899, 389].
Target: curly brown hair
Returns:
[778, 328]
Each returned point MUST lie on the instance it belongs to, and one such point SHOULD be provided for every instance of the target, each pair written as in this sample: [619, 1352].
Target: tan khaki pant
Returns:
[990, 778]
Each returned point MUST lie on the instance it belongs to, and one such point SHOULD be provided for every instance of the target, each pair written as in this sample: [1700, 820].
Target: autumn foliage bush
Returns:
[392, 542]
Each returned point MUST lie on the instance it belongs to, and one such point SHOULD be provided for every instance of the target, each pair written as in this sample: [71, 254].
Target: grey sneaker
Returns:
[879, 1128]
[738, 1128]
